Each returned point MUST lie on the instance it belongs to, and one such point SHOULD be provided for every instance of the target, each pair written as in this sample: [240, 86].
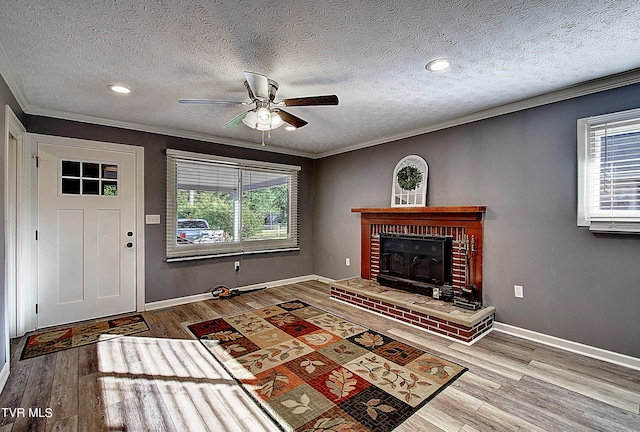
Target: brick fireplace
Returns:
[464, 225]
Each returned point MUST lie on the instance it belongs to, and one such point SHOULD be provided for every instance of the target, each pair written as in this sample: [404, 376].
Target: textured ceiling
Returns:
[59, 56]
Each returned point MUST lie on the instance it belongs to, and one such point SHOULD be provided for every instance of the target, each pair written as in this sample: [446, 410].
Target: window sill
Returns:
[229, 254]
[615, 227]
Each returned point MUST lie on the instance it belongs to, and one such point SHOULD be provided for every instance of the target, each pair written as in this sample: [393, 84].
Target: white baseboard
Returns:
[207, 296]
[4, 375]
[567, 345]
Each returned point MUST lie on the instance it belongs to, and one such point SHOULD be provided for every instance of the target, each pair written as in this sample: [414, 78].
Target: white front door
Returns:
[87, 235]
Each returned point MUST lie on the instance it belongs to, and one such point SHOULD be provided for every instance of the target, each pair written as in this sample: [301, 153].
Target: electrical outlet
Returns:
[236, 266]
[347, 261]
[518, 291]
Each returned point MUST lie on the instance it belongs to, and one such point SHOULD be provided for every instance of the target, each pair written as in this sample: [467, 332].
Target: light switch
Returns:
[152, 219]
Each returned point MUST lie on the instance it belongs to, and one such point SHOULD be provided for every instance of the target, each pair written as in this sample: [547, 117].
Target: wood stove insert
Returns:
[416, 263]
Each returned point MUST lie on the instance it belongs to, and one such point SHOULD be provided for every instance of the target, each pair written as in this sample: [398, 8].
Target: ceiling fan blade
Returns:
[210, 102]
[294, 121]
[312, 100]
[259, 85]
[236, 120]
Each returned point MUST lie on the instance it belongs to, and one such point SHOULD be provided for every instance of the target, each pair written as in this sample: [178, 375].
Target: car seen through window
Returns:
[197, 231]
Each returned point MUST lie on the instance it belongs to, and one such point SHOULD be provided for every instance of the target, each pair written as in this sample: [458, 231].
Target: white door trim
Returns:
[14, 131]
[19, 213]
[138, 151]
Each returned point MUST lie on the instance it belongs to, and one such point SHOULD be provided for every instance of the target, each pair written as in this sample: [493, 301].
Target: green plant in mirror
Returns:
[409, 178]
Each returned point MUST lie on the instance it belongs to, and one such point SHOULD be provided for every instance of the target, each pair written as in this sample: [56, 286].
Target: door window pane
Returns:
[109, 171]
[109, 188]
[91, 170]
[70, 169]
[88, 178]
[90, 187]
[71, 186]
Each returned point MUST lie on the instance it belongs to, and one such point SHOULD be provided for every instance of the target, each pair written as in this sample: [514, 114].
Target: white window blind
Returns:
[609, 172]
[236, 206]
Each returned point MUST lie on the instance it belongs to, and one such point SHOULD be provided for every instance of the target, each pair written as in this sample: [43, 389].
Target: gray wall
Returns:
[170, 280]
[522, 166]
[6, 98]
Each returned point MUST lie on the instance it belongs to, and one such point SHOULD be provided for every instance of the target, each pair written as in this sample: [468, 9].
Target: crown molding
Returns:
[583, 89]
[571, 92]
[178, 133]
[11, 78]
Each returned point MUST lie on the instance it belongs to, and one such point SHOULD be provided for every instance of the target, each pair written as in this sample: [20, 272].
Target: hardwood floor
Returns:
[164, 380]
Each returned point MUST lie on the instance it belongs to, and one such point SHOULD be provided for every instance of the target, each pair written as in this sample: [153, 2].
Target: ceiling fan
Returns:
[267, 113]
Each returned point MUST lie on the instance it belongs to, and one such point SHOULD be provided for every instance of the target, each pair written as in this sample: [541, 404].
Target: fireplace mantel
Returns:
[453, 213]
[464, 223]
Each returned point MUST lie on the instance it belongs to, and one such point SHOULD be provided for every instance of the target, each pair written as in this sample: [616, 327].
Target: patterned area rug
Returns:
[71, 337]
[314, 371]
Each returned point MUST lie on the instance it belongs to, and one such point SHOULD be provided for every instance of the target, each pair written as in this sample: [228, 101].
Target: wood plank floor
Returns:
[164, 380]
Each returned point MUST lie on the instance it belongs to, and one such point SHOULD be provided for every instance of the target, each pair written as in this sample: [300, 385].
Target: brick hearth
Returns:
[432, 315]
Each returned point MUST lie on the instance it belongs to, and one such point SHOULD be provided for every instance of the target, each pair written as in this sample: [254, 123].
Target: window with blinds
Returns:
[221, 206]
[609, 172]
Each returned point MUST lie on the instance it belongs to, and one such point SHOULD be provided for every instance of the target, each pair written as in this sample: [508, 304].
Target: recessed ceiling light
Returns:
[438, 65]
[120, 89]
[290, 128]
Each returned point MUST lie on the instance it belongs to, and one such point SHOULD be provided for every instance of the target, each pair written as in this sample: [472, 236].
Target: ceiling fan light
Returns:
[263, 119]
[264, 114]
[276, 121]
[251, 119]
